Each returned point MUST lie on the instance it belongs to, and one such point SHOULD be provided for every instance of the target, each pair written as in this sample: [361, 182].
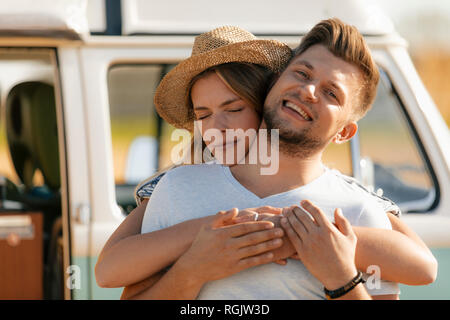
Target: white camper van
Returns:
[76, 87]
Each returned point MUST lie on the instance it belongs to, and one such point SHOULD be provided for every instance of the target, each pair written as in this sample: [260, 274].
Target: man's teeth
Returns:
[297, 109]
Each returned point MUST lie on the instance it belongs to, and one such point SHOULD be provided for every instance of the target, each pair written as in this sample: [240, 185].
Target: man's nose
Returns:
[309, 92]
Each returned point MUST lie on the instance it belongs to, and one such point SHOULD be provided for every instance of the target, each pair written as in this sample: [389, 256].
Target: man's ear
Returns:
[346, 133]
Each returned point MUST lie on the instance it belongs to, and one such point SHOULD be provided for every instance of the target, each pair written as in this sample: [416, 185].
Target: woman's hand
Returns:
[221, 250]
[265, 213]
[251, 214]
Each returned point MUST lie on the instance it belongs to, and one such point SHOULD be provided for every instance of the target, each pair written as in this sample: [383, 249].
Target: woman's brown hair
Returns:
[248, 81]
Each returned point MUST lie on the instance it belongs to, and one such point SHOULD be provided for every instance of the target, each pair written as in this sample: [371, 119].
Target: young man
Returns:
[328, 85]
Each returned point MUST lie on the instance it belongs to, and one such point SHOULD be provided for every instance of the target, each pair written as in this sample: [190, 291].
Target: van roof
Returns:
[43, 19]
[280, 17]
[68, 19]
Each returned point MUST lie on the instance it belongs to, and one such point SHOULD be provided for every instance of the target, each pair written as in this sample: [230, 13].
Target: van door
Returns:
[77, 274]
[33, 175]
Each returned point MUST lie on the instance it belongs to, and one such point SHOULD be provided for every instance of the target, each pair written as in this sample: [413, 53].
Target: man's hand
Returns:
[326, 250]
[219, 250]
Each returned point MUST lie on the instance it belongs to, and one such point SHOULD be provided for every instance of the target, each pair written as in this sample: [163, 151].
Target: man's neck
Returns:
[293, 172]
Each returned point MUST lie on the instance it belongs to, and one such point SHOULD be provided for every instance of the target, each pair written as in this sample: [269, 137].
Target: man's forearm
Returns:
[357, 293]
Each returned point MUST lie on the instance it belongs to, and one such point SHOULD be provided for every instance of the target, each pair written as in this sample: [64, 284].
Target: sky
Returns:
[420, 21]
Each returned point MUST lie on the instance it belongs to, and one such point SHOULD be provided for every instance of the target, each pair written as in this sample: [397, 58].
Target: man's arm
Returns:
[400, 254]
[326, 250]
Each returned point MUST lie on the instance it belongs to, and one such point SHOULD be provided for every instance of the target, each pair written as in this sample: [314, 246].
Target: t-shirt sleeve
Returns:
[374, 216]
[158, 207]
[388, 205]
[145, 189]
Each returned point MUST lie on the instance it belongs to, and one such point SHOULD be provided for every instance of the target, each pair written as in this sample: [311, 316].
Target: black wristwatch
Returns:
[333, 294]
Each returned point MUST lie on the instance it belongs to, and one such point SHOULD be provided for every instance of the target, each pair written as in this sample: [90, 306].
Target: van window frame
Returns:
[356, 150]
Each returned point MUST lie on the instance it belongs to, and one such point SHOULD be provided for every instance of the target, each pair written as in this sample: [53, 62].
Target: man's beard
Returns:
[298, 144]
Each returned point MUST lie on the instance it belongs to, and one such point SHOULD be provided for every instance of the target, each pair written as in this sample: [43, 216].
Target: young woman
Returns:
[225, 89]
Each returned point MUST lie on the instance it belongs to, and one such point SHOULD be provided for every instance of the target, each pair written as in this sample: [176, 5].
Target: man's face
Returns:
[312, 101]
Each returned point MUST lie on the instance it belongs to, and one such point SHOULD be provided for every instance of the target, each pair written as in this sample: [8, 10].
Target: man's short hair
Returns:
[347, 43]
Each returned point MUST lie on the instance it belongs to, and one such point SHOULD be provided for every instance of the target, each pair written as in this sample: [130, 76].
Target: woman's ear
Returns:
[346, 133]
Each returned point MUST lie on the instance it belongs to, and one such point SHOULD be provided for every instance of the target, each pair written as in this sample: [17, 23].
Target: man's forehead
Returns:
[319, 58]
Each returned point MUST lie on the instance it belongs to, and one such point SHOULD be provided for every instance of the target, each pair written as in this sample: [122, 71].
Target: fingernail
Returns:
[283, 220]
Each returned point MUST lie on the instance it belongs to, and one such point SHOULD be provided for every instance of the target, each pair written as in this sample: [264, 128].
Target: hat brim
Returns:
[171, 95]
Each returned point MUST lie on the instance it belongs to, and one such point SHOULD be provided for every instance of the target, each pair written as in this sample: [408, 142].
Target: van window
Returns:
[338, 156]
[140, 138]
[28, 134]
[391, 159]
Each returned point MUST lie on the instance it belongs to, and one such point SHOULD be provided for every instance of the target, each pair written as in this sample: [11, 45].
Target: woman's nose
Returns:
[220, 122]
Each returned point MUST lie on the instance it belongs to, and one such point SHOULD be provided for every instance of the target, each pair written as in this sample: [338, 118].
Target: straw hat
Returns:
[222, 45]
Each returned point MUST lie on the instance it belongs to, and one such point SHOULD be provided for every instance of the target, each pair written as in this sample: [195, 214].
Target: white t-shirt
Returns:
[195, 191]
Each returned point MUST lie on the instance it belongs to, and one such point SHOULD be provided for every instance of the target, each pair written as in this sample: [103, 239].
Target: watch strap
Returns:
[333, 294]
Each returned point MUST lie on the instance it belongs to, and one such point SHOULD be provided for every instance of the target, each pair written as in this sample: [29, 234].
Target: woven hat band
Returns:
[220, 37]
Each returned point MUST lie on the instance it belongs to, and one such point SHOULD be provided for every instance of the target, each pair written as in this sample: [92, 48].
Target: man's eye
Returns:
[331, 94]
[303, 74]
[235, 110]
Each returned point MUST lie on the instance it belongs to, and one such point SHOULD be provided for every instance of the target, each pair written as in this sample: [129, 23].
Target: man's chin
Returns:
[299, 144]
[293, 142]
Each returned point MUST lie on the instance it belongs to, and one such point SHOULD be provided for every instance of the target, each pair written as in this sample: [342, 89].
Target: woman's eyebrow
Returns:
[229, 101]
[199, 108]
[223, 104]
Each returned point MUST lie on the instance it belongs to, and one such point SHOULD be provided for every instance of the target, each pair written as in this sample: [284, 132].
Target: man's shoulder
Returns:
[352, 186]
[343, 183]
[186, 174]
[193, 169]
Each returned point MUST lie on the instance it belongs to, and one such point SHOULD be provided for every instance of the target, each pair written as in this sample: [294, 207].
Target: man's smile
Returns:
[295, 110]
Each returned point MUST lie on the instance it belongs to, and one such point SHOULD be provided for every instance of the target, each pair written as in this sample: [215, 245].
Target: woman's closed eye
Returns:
[235, 110]
[201, 116]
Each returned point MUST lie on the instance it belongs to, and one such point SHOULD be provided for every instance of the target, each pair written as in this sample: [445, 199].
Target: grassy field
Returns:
[433, 66]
